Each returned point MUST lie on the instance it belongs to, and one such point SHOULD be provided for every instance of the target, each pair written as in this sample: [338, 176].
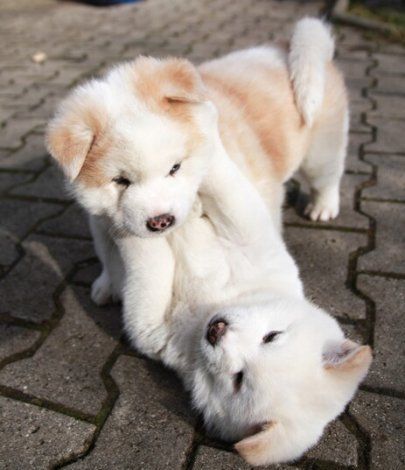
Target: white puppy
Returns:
[157, 145]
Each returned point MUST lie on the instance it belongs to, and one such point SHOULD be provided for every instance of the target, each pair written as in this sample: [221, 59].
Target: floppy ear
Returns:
[174, 80]
[183, 83]
[269, 445]
[71, 134]
[347, 358]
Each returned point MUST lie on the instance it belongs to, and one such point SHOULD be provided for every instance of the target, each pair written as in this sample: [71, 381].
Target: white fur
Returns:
[311, 47]
[226, 258]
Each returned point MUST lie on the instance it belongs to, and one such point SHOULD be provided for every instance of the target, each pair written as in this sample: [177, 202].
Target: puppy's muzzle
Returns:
[216, 329]
[160, 223]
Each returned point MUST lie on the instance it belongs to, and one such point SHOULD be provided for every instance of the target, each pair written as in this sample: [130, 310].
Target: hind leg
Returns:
[324, 165]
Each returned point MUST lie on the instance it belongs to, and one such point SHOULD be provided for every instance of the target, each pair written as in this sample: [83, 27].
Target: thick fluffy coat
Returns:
[159, 145]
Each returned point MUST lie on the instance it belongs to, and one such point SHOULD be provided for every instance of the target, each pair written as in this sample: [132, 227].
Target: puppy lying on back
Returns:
[162, 145]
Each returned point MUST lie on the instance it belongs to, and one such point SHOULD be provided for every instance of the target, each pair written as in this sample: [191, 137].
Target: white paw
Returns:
[101, 289]
[320, 212]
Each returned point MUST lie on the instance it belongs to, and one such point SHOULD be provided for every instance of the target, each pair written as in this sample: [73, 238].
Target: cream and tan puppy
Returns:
[181, 170]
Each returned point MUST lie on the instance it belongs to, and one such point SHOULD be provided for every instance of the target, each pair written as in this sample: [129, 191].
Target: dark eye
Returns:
[237, 381]
[122, 181]
[270, 336]
[175, 169]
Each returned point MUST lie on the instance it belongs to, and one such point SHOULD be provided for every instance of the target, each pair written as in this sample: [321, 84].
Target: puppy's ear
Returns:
[347, 359]
[263, 447]
[183, 82]
[70, 135]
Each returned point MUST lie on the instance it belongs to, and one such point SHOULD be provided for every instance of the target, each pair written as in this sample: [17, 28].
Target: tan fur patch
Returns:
[253, 448]
[267, 106]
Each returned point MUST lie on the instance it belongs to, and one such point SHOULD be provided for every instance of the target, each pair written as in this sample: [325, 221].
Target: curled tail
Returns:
[311, 47]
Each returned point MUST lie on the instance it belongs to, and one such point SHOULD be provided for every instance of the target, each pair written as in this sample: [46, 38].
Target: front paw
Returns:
[325, 206]
[101, 289]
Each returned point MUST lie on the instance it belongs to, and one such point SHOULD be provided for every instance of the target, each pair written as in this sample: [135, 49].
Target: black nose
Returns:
[216, 329]
[160, 222]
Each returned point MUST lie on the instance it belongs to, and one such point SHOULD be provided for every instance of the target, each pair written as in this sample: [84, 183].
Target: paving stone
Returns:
[390, 136]
[208, 458]
[14, 339]
[347, 217]
[72, 223]
[389, 64]
[46, 263]
[382, 418]
[389, 252]
[322, 257]
[390, 178]
[33, 437]
[353, 162]
[8, 180]
[337, 445]
[68, 375]
[11, 135]
[357, 123]
[388, 368]
[390, 84]
[389, 106]
[149, 426]
[354, 68]
[49, 184]
[18, 218]
[31, 156]
[87, 274]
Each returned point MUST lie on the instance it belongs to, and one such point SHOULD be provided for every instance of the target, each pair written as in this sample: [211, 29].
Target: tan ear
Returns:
[257, 449]
[184, 83]
[69, 141]
[173, 80]
[347, 357]
[80, 119]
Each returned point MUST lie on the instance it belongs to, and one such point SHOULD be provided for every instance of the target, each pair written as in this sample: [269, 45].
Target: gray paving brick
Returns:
[389, 252]
[149, 426]
[87, 274]
[390, 135]
[14, 339]
[322, 256]
[353, 162]
[31, 156]
[49, 184]
[72, 223]
[11, 135]
[389, 106]
[390, 178]
[347, 217]
[390, 84]
[69, 375]
[8, 180]
[388, 368]
[383, 419]
[46, 263]
[337, 445]
[18, 219]
[208, 458]
[389, 64]
[40, 438]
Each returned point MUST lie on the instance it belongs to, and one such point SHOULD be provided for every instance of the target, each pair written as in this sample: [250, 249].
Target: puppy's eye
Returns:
[237, 381]
[175, 168]
[270, 336]
[122, 181]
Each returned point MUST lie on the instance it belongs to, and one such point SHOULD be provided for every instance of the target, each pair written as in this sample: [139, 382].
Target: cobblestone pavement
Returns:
[72, 393]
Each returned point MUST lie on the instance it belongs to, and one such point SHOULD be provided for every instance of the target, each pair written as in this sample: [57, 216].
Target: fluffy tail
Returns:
[311, 46]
